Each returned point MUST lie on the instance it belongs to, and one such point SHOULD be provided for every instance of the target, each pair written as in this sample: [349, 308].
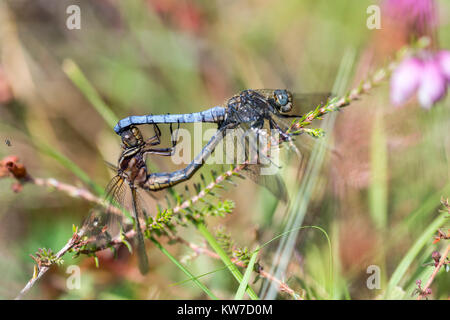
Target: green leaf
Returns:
[244, 283]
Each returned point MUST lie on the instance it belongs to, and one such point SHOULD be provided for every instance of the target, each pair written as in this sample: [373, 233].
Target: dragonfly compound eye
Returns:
[132, 137]
[283, 100]
[128, 139]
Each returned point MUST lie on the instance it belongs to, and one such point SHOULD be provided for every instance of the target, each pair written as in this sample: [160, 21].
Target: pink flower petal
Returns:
[433, 85]
[405, 80]
[444, 62]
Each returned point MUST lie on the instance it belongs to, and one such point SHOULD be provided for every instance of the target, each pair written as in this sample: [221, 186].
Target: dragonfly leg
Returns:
[155, 140]
[161, 152]
[285, 136]
[174, 139]
[263, 146]
[161, 180]
[166, 151]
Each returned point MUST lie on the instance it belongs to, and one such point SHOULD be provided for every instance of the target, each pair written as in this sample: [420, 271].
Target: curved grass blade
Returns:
[182, 268]
[75, 74]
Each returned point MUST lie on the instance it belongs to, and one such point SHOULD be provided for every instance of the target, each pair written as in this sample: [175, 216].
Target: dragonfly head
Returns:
[132, 137]
[283, 100]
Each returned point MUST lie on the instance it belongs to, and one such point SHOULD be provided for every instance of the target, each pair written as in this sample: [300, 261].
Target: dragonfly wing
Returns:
[304, 102]
[104, 222]
[101, 226]
[301, 102]
[272, 182]
[116, 190]
[137, 207]
[246, 144]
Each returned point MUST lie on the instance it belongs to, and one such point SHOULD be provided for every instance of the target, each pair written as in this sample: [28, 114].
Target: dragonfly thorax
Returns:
[133, 168]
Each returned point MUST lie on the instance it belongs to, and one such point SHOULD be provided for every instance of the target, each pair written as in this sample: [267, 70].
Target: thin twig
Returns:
[353, 95]
[74, 240]
[67, 188]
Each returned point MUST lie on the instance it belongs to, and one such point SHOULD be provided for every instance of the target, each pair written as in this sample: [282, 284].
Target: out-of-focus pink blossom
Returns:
[418, 16]
[405, 80]
[444, 61]
[427, 75]
[433, 84]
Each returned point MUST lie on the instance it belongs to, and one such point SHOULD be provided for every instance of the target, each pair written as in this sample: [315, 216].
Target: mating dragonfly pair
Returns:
[248, 111]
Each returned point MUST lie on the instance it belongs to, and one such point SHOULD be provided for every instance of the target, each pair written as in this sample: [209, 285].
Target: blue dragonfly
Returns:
[248, 111]
[249, 106]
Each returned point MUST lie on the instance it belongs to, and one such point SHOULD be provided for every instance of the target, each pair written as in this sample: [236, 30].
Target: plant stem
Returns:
[435, 272]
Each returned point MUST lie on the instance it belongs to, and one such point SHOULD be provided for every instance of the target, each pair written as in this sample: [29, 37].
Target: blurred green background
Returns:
[377, 187]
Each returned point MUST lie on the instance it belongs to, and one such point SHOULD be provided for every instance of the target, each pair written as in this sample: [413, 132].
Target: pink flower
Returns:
[444, 61]
[405, 80]
[433, 84]
[429, 76]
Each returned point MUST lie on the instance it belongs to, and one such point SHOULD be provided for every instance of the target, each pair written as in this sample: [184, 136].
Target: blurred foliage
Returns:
[377, 188]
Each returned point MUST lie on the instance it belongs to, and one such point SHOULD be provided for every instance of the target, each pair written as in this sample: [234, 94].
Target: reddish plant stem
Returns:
[435, 272]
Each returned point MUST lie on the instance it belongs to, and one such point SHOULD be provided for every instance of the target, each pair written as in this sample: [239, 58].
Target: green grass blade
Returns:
[78, 78]
[182, 268]
[225, 259]
[244, 283]
[198, 277]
